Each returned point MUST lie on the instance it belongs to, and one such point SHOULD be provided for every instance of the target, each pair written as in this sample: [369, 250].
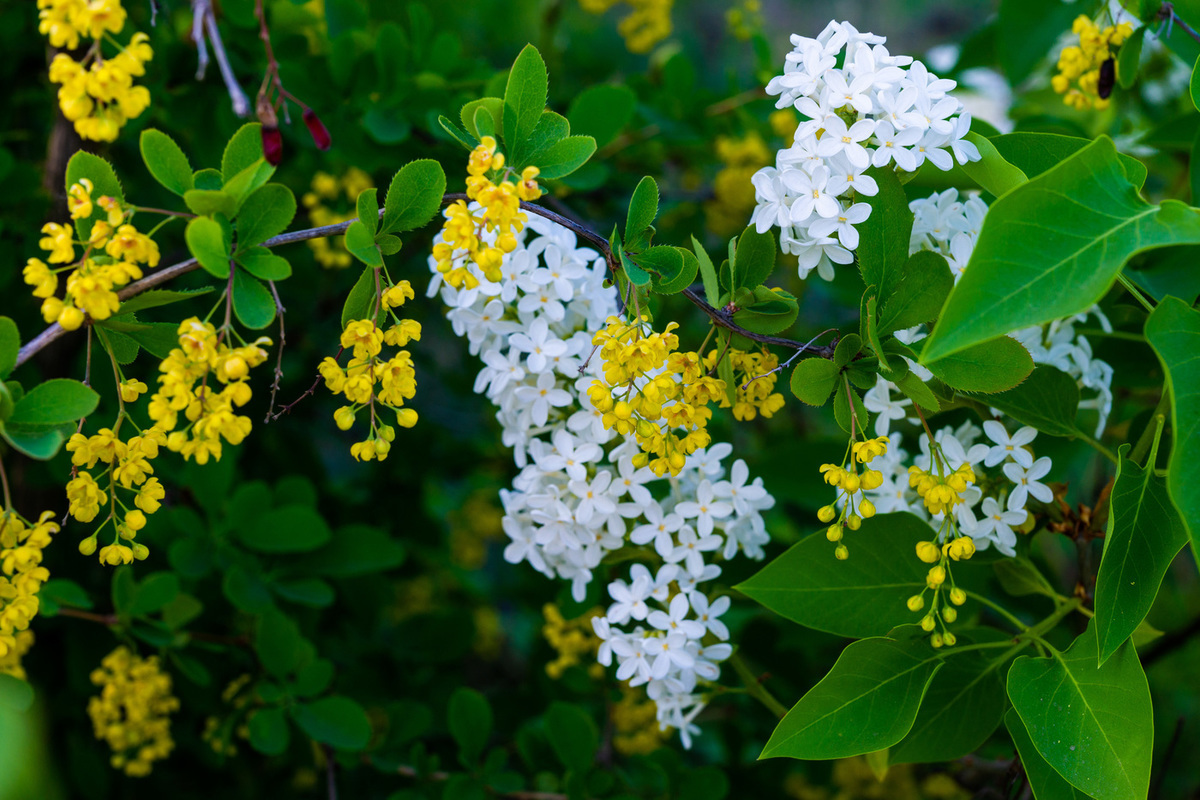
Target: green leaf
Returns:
[248, 181]
[159, 339]
[755, 258]
[993, 366]
[456, 133]
[266, 213]
[246, 590]
[842, 398]
[208, 202]
[1035, 153]
[10, 346]
[1194, 85]
[469, 718]
[524, 96]
[166, 161]
[1094, 725]
[1026, 31]
[156, 298]
[602, 111]
[1047, 400]
[61, 592]
[867, 702]
[922, 291]
[551, 129]
[813, 380]
[565, 156]
[313, 678]
[208, 245]
[768, 311]
[263, 264]
[635, 274]
[243, 149]
[104, 183]
[963, 706]
[870, 333]
[573, 736]
[492, 105]
[252, 302]
[336, 721]
[1144, 534]
[357, 550]
[1053, 247]
[279, 645]
[268, 730]
[919, 392]
[15, 694]
[413, 197]
[36, 445]
[1046, 783]
[862, 596]
[1129, 57]
[152, 593]
[643, 208]
[208, 179]
[684, 278]
[1173, 330]
[311, 592]
[992, 172]
[662, 262]
[291, 529]
[180, 611]
[847, 348]
[708, 273]
[57, 401]
[361, 244]
[885, 235]
[368, 209]
[362, 295]
[1021, 578]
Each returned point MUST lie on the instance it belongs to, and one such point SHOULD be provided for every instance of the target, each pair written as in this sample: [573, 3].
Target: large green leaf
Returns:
[524, 96]
[1047, 400]
[992, 171]
[992, 366]
[1034, 153]
[920, 294]
[885, 235]
[1144, 534]
[862, 596]
[1173, 330]
[1093, 725]
[866, 703]
[1052, 247]
[15, 694]
[1045, 782]
[55, 402]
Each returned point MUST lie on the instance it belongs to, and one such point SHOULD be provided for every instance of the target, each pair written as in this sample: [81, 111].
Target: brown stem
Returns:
[279, 355]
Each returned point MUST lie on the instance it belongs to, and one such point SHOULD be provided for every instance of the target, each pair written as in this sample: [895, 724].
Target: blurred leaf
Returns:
[268, 731]
[10, 345]
[291, 529]
[336, 721]
[15, 694]
[246, 590]
[1129, 58]
[278, 643]
[1021, 578]
[1026, 31]
[602, 111]
[62, 592]
[357, 550]
[469, 718]
[573, 735]
[312, 592]
[1047, 400]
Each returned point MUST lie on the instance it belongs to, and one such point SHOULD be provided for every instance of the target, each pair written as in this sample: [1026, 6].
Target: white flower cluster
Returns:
[579, 497]
[877, 110]
[1059, 345]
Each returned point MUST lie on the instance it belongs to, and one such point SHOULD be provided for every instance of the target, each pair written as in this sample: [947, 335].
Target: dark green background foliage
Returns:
[371, 618]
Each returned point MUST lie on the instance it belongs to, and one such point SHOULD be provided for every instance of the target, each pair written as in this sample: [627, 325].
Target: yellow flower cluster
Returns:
[463, 231]
[850, 483]
[573, 640]
[97, 94]
[745, 19]
[652, 391]
[1081, 77]
[755, 379]
[190, 376]
[733, 194]
[369, 379]
[126, 466]
[113, 256]
[21, 577]
[635, 723]
[647, 24]
[218, 733]
[940, 492]
[324, 193]
[131, 711]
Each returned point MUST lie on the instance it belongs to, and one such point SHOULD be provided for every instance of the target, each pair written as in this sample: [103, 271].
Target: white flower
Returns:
[709, 615]
[878, 400]
[844, 177]
[811, 195]
[667, 651]
[773, 205]
[630, 480]
[708, 459]
[843, 225]
[996, 527]
[629, 600]
[542, 397]
[593, 497]
[894, 146]
[634, 666]
[1027, 484]
[691, 549]
[539, 343]
[675, 620]
[704, 509]
[658, 529]
[740, 494]
[847, 141]
[1008, 446]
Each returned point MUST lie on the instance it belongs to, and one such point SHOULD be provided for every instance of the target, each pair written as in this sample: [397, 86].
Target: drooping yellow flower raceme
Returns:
[370, 381]
[755, 379]
[851, 483]
[131, 713]
[1086, 71]
[496, 211]
[654, 392]
[97, 93]
[322, 201]
[113, 255]
[21, 577]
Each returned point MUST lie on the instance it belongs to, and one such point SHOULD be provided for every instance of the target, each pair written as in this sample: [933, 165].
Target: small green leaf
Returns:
[291, 529]
[152, 593]
[1093, 725]
[413, 197]
[336, 721]
[643, 208]
[885, 235]
[867, 702]
[842, 398]
[368, 209]
[1129, 57]
[156, 298]
[565, 156]
[166, 161]
[602, 111]
[708, 273]
[524, 96]
[356, 550]
[243, 149]
[104, 183]
[1047, 401]
[360, 242]
[246, 590]
[870, 333]
[1144, 534]
[919, 392]
[252, 302]
[248, 181]
[263, 264]
[493, 106]
[847, 348]
[684, 278]
[362, 296]
[456, 133]
[635, 274]
[754, 259]
[813, 380]
[311, 592]
[57, 401]
[209, 202]
[61, 592]
[41, 446]
[920, 294]
[159, 339]
[268, 730]
[207, 242]
[265, 213]
[992, 172]
[1020, 578]
[993, 366]
[551, 129]
[573, 736]
[15, 694]
[278, 645]
[469, 718]
[10, 346]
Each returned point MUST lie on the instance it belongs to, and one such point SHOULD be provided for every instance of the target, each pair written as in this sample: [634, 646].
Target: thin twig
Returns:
[279, 311]
[204, 26]
[330, 773]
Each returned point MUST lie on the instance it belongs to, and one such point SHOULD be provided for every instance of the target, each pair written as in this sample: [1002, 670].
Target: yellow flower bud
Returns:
[958, 596]
[841, 553]
[936, 576]
[916, 602]
[927, 623]
[834, 533]
[70, 318]
[949, 614]
[826, 514]
[853, 522]
[949, 638]
[866, 508]
[344, 418]
[406, 417]
[937, 640]
[928, 552]
[88, 546]
[136, 520]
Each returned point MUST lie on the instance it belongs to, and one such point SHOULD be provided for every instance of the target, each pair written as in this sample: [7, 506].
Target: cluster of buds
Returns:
[851, 484]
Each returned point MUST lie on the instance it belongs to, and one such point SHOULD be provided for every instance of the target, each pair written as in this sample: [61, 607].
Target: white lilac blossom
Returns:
[877, 110]
[578, 495]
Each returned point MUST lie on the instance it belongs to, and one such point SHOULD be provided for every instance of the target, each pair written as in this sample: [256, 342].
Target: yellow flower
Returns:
[131, 712]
